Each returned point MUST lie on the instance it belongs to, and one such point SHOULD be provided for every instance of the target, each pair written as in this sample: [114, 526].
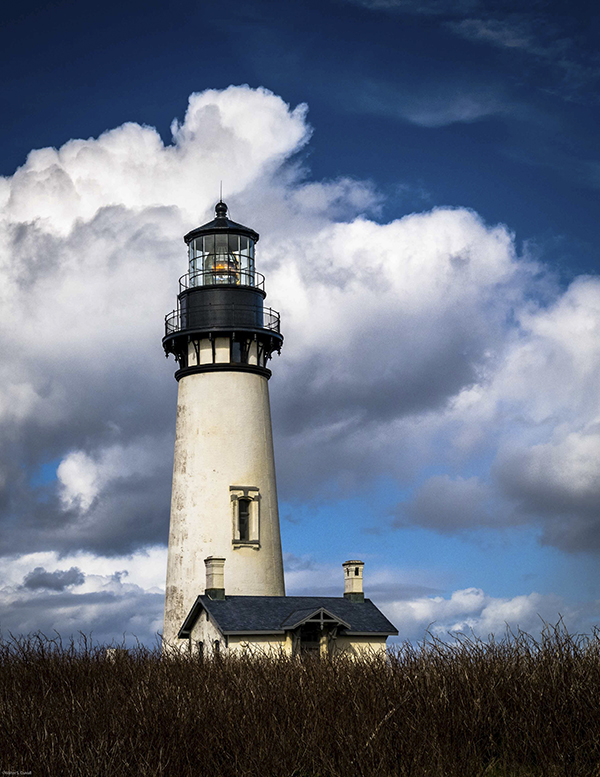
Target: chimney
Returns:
[353, 580]
[215, 578]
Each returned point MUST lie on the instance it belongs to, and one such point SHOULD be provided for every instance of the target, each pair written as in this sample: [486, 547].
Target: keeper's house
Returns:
[293, 625]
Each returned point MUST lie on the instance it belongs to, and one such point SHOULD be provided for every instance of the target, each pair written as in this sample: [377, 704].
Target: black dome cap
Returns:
[221, 224]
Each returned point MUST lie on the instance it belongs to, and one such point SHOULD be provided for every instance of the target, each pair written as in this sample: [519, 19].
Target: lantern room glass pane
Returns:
[223, 258]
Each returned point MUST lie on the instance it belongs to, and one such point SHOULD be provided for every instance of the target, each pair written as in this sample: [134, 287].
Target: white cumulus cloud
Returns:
[472, 611]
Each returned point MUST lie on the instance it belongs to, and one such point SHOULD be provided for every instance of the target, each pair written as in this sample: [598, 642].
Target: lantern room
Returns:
[221, 252]
[221, 322]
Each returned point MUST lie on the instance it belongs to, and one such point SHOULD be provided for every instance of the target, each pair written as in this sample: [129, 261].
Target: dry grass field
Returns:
[514, 706]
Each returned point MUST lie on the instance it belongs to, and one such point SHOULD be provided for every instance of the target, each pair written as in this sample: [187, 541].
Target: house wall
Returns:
[361, 646]
[206, 632]
[261, 644]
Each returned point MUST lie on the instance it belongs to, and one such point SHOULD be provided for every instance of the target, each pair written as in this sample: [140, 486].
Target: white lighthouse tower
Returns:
[224, 498]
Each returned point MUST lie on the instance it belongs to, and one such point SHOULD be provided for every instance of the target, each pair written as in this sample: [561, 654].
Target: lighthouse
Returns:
[224, 515]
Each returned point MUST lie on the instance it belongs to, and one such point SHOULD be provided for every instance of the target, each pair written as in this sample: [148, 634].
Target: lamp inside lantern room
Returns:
[221, 258]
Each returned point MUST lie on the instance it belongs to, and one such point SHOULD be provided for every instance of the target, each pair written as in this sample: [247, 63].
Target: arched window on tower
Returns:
[245, 513]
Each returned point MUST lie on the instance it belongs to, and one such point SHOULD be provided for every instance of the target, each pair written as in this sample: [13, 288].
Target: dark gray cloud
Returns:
[55, 581]
[106, 616]
[336, 431]
[541, 484]
[396, 371]
[556, 487]
[128, 514]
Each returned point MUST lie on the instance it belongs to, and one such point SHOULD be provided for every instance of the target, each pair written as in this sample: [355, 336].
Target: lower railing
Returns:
[222, 316]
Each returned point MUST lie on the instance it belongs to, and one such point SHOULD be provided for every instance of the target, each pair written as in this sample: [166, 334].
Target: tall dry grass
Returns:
[516, 706]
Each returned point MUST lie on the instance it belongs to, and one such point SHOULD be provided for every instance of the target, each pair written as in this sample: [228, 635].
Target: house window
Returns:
[244, 519]
[217, 647]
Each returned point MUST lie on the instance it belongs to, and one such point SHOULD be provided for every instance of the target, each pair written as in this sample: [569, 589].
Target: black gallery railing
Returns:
[227, 316]
[222, 276]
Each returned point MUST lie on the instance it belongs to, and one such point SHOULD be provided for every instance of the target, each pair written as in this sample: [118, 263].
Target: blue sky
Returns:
[386, 84]
[460, 453]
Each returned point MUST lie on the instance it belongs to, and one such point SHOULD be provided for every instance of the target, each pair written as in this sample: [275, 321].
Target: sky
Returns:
[425, 178]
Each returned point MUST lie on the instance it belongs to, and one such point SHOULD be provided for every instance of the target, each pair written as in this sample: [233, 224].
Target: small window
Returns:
[200, 646]
[217, 647]
[356, 571]
[240, 350]
[236, 352]
[245, 515]
[244, 519]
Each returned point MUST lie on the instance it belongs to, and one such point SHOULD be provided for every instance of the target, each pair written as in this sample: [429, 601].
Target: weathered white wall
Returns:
[206, 632]
[223, 439]
[261, 644]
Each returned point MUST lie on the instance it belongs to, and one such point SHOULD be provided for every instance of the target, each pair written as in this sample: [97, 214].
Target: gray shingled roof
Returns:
[253, 614]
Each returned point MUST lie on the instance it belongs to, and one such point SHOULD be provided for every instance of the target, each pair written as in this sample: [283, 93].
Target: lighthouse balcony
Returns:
[226, 316]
